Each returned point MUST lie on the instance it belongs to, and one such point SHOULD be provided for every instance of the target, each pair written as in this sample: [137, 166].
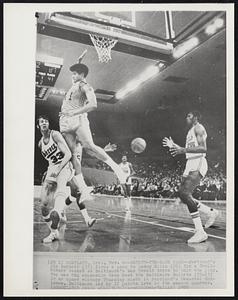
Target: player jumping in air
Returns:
[74, 124]
[54, 191]
[196, 168]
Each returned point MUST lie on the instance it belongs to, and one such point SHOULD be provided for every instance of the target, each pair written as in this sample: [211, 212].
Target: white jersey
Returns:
[51, 151]
[126, 168]
[76, 98]
[191, 141]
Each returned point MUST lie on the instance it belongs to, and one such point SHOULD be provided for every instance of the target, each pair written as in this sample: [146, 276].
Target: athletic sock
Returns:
[81, 183]
[85, 215]
[47, 220]
[204, 208]
[116, 169]
[197, 221]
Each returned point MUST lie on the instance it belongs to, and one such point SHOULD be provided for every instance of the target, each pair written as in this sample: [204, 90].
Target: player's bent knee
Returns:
[55, 218]
[60, 198]
[183, 195]
[45, 210]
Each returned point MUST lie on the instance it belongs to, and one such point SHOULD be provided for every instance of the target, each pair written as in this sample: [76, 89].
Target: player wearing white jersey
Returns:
[196, 168]
[129, 171]
[60, 172]
[55, 150]
[74, 123]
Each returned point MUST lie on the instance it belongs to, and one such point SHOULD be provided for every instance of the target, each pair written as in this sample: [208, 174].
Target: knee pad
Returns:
[183, 195]
[55, 218]
[68, 201]
[45, 210]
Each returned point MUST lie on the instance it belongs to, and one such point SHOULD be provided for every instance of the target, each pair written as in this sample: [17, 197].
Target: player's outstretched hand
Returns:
[176, 150]
[110, 147]
[168, 142]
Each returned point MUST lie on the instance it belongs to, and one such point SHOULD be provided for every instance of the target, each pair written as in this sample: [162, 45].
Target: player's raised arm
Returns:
[58, 138]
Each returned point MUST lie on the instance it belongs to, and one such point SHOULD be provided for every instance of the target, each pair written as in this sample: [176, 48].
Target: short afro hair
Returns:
[196, 114]
[80, 68]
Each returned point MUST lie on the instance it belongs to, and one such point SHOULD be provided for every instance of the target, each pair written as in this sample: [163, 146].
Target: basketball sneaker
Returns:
[54, 235]
[199, 237]
[211, 218]
[91, 222]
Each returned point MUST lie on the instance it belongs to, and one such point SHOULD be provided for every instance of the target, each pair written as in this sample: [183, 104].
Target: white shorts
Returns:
[196, 164]
[65, 175]
[69, 123]
[80, 126]
[129, 181]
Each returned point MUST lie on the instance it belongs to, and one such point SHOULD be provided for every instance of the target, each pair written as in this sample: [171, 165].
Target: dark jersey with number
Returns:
[51, 151]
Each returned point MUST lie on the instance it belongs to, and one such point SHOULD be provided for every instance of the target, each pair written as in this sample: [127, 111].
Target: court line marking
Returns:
[167, 226]
[159, 199]
[68, 222]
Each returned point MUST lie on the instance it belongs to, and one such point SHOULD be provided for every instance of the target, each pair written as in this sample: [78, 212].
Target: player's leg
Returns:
[84, 134]
[76, 151]
[57, 213]
[75, 193]
[187, 187]
[48, 213]
[128, 194]
[210, 213]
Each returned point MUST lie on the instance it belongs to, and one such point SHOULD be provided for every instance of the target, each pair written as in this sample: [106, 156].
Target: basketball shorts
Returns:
[64, 176]
[80, 126]
[68, 124]
[196, 164]
[129, 181]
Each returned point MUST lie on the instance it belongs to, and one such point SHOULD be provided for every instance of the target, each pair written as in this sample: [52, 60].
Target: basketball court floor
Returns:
[152, 225]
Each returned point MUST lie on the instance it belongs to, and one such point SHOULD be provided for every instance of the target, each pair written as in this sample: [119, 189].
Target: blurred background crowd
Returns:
[162, 181]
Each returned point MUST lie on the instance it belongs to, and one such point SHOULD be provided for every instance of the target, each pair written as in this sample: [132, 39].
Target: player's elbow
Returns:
[93, 106]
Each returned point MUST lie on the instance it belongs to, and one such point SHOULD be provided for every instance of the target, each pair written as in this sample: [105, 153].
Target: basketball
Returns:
[138, 145]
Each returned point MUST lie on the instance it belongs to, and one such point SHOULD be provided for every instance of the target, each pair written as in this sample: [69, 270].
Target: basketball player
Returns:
[196, 168]
[76, 195]
[54, 192]
[129, 171]
[74, 123]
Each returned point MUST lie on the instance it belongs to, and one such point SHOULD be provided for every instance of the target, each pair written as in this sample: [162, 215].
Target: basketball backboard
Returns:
[147, 29]
[149, 34]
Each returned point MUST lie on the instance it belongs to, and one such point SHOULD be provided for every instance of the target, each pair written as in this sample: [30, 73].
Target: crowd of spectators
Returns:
[162, 181]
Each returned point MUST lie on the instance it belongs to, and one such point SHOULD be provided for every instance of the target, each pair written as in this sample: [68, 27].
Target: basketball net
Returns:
[103, 46]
